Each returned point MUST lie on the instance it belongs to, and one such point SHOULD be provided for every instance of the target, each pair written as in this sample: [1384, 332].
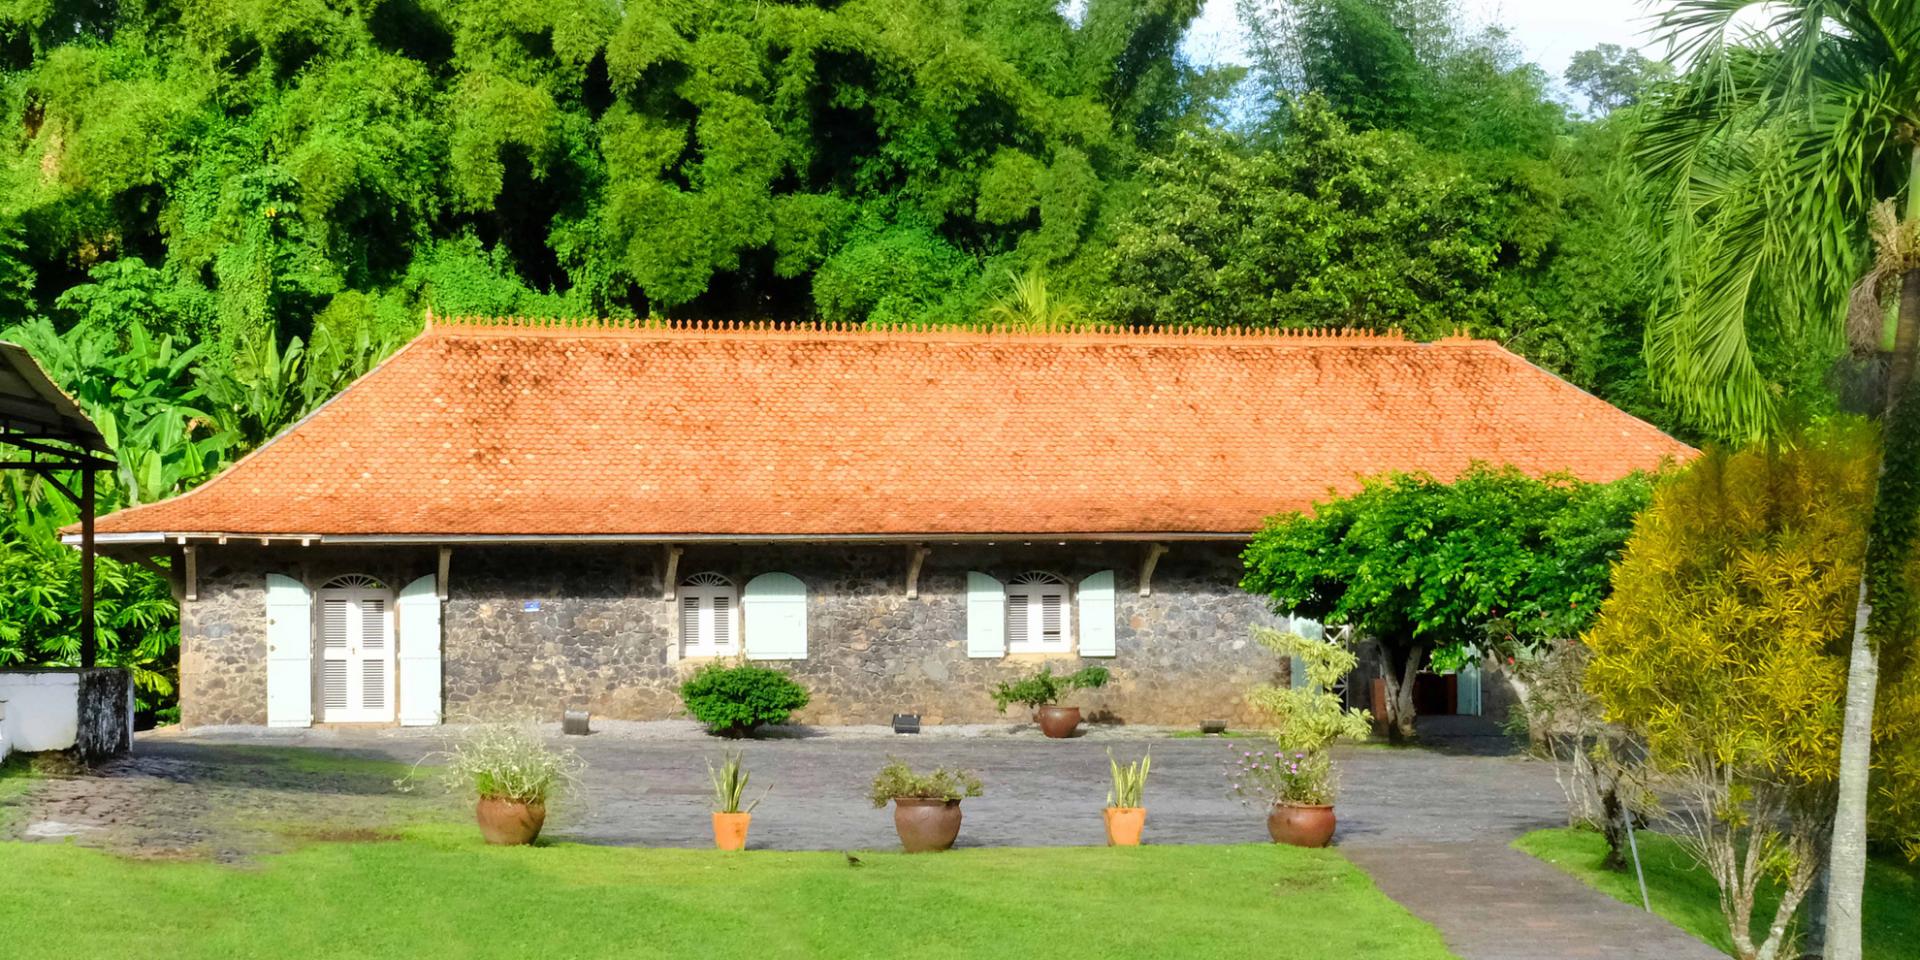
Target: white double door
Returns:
[355, 679]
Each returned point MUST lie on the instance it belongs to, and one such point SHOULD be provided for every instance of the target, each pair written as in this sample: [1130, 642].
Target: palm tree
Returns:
[1027, 305]
[1797, 122]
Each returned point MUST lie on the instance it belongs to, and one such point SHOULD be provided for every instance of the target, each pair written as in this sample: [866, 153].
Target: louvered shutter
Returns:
[722, 623]
[335, 616]
[289, 652]
[1097, 615]
[418, 612]
[375, 648]
[986, 616]
[689, 622]
[774, 607]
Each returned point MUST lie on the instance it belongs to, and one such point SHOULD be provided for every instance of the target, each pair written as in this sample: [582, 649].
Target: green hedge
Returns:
[733, 700]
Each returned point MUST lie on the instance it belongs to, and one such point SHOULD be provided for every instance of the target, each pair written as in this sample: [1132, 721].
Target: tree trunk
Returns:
[1847, 856]
[1400, 676]
[1614, 816]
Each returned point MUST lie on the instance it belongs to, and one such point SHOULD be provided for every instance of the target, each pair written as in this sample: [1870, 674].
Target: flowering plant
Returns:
[1282, 776]
[1308, 719]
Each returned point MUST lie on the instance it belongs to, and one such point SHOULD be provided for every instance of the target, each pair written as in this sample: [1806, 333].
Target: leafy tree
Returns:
[1724, 648]
[1769, 159]
[1333, 229]
[1611, 76]
[1407, 65]
[1495, 561]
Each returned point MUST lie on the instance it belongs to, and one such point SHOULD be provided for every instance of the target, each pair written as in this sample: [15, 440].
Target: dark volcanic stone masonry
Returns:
[604, 635]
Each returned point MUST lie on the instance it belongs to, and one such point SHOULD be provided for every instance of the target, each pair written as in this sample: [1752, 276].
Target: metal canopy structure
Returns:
[50, 435]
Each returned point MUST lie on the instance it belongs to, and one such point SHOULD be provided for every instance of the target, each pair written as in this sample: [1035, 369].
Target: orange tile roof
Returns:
[507, 427]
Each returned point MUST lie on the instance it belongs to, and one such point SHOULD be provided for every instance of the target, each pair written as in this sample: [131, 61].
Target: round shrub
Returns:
[733, 700]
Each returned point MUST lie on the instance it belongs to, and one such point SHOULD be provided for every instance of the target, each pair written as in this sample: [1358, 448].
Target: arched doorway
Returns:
[353, 629]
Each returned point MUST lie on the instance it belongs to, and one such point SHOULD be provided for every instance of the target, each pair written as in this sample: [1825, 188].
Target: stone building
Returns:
[509, 517]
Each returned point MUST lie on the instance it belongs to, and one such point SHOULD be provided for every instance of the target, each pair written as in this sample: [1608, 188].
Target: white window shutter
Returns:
[986, 616]
[775, 608]
[1096, 615]
[289, 652]
[418, 612]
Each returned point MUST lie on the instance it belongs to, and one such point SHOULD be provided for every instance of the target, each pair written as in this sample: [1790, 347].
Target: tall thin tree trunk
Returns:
[1847, 859]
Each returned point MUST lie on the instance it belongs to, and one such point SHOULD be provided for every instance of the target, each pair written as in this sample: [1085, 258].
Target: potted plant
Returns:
[729, 785]
[512, 776]
[1125, 815]
[1296, 781]
[1041, 693]
[926, 808]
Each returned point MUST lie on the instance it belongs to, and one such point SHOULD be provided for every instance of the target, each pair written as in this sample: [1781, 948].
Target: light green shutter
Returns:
[1468, 690]
[775, 609]
[1096, 615]
[418, 610]
[289, 652]
[986, 616]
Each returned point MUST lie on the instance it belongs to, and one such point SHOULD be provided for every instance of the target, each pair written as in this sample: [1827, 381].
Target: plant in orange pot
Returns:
[730, 822]
[1126, 814]
[1296, 781]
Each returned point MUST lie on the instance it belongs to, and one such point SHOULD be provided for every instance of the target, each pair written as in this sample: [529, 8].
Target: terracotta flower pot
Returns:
[926, 823]
[1058, 722]
[1124, 825]
[730, 830]
[1301, 824]
[509, 822]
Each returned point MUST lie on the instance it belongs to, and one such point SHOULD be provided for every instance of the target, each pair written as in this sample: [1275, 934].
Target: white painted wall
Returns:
[42, 711]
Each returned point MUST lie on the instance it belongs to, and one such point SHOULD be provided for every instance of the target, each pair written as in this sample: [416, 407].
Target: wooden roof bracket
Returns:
[670, 569]
[1149, 560]
[916, 555]
[440, 575]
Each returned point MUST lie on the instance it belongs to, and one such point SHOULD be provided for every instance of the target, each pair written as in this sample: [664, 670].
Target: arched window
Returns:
[709, 616]
[1037, 614]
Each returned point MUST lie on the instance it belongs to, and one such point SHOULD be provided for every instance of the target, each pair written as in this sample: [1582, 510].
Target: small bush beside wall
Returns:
[733, 700]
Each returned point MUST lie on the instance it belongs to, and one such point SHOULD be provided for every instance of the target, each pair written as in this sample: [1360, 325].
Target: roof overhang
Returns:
[33, 409]
[160, 540]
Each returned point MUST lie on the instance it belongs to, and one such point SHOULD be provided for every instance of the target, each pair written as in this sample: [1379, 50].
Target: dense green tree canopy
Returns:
[227, 169]
[1496, 561]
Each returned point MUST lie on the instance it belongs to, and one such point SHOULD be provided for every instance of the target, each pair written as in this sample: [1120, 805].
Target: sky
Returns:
[1550, 31]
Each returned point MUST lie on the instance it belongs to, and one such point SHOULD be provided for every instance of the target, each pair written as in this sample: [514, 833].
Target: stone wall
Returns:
[529, 630]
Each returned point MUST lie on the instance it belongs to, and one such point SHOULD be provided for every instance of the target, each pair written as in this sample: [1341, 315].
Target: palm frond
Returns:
[1765, 162]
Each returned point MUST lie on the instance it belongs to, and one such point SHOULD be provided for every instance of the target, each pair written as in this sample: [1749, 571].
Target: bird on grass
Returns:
[853, 861]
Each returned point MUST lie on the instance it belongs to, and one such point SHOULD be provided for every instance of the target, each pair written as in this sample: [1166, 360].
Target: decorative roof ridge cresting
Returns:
[821, 330]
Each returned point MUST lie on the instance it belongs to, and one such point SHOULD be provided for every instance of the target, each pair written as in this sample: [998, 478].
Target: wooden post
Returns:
[89, 641]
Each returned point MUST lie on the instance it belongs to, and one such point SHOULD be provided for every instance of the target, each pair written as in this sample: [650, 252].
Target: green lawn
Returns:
[1684, 894]
[440, 893]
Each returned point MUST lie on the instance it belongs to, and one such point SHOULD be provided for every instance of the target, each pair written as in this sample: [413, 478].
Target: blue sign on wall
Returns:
[529, 606]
